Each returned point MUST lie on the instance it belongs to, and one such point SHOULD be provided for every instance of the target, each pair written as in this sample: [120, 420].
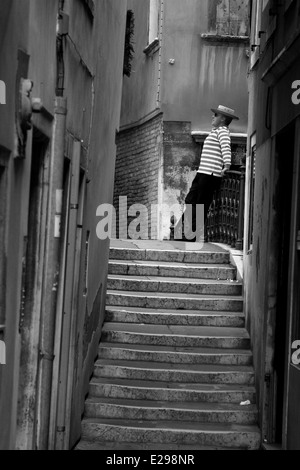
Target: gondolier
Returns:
[215, 161]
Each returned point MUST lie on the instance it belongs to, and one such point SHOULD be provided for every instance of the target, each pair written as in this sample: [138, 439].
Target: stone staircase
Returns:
[174, 359]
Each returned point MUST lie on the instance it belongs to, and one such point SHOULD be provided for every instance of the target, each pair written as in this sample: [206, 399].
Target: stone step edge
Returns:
[145, 330]
[170, 295]
[175, 425]
[89, 444]
[199, 368]
[176, 405]
[168, 311]
[146, 253]
[172, 386]
[175, 280]
[176, 349]
[172, 264]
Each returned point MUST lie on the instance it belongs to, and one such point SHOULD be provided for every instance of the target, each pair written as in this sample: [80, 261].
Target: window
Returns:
[228, 17]
[153, 26]
[128, 47]
[153, 21]
[255, 31]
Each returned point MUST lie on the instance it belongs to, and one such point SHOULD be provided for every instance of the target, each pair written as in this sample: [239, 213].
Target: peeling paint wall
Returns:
[93, 47]
[198, 73]
[181, 161]
[192, 74]
[140, 90]
[205, 72]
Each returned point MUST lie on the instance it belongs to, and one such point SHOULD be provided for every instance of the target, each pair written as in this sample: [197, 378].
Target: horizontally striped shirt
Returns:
[216, 152]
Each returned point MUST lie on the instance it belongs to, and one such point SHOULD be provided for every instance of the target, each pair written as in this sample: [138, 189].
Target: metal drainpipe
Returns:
[51, 275]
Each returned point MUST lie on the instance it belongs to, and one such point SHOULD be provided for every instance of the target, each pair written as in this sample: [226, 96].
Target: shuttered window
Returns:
[229, 17]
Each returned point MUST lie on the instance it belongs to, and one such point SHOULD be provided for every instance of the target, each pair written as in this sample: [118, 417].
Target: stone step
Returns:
[166, 432]
[134, 446]
[179, 336]
[171, 391]
[168, 411]
[174, 301]
[173, 355]
[178, 256]
[164, 372]
[167, 269]
[173, 285]
[174, 317]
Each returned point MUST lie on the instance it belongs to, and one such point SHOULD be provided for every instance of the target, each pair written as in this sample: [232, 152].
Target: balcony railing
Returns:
[225, 222]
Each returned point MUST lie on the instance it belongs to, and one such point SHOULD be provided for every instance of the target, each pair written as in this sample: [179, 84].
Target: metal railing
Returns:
[225, 222]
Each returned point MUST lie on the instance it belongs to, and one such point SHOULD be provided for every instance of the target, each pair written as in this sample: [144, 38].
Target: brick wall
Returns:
[137, 175]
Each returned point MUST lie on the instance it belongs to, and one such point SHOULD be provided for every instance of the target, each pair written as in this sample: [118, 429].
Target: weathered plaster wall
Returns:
[105, 51]
[140, 90]
[15, 33]
[205, 73]
[93, 118]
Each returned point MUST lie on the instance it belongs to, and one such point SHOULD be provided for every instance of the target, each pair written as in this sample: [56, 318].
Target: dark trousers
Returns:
[201, 192]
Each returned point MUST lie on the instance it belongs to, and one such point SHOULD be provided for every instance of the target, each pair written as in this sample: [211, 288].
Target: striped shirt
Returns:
[216, 152]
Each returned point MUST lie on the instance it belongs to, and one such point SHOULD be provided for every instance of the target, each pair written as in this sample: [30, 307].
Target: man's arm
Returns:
[225, 143]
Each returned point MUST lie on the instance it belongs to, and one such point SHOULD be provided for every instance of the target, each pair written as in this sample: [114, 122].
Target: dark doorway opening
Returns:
[285, 157]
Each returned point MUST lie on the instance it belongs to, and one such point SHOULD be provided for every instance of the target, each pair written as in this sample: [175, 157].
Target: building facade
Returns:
[59, 118]
[189, 56]
[271, 251]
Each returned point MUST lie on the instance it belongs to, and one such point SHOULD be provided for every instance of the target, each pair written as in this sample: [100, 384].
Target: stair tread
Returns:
[164, 295]
[176, 280]
[201, 368]
[194, 406]
[176, 264]
[172, 402]
[165, 245]
[146, 384]
[137, 446]
[176, 349]
[178, 330]
[175, 425]
[168, 311]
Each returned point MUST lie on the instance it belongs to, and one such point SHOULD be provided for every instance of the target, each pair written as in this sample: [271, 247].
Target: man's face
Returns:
[217, 120]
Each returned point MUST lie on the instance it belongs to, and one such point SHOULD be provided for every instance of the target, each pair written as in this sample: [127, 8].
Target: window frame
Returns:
[255, 29]
[252, 157]
[153, 27]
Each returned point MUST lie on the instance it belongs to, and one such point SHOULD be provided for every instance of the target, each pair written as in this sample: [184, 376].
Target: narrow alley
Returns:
[150, 227]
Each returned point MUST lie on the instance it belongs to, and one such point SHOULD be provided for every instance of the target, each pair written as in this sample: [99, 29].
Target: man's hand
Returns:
[226, 168]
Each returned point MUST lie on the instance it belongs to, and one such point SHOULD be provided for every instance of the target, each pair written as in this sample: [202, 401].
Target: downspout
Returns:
[52, 253]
